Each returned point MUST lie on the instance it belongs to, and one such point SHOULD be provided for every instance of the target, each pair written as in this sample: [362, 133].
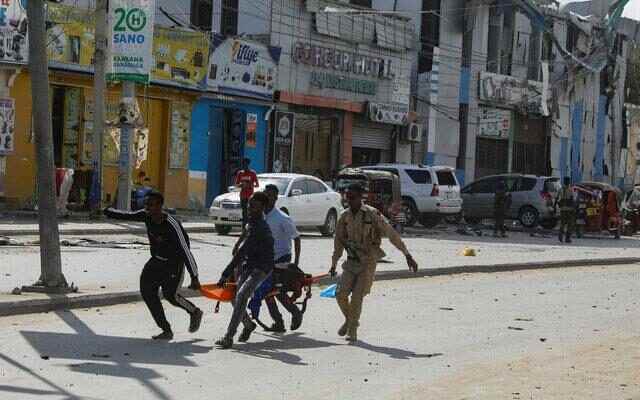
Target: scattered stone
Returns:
[44, 357]
[446, 309]
[543, 339]
[103, 287]
[127, 354]
[524, 319]
[16, 291]
[366, 380]
[94, 355]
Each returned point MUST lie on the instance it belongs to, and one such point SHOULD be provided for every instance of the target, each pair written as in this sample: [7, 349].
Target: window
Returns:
[419, 176]
[201, 14]
[229, 19]
[429, 34]
[315, 187]
[483, 186]
[527, 184]
[361, 3]
[300, 185]
[446, 178]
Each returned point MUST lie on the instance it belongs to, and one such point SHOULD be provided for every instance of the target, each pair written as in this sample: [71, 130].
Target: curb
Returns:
[63, 302]
[91, 232]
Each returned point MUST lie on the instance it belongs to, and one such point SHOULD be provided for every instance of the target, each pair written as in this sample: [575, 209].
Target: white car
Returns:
[308, 200]
[429, 193]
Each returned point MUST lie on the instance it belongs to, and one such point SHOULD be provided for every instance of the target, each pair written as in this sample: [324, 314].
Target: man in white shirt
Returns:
[284, 232]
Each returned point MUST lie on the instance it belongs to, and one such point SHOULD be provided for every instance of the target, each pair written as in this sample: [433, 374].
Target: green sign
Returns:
[323, 80]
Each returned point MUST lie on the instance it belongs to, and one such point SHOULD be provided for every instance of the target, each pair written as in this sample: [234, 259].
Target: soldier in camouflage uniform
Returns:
[501, 203]
[359, 231]
[567, 201]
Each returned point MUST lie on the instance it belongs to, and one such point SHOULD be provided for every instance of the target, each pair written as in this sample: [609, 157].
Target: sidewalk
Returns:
[108, 276]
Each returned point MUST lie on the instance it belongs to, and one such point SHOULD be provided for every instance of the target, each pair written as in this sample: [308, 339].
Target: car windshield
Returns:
[281, 183]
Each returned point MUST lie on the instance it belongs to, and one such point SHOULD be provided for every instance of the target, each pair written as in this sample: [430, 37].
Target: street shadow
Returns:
[275, 347]
[398, 354]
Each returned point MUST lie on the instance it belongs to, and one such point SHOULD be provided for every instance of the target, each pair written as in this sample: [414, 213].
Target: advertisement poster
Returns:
[7, 125]
[252, 128]
[70, 34]
[243, 67]
[283, 142]
[180, 56]
[111, 152]
[494, 123]
[180, 127]
[14, 45]
[131, 40]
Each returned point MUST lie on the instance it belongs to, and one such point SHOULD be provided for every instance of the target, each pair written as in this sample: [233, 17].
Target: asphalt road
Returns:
[98, 270]
[552, 334]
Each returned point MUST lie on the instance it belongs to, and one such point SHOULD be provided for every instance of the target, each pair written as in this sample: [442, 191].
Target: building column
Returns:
[347, 138]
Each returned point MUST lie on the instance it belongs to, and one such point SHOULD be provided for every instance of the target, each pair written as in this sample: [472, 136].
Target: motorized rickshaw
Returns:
[631, 211]
[382, 189]
[598, 209]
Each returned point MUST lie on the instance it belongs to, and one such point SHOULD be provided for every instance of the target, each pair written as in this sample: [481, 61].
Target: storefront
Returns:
[329, 78]
[512, 134]
[230, 122]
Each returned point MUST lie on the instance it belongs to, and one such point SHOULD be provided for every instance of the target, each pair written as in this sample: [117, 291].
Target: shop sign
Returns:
[243, 67]
[252, 129]
[508, 91]
[14, 46]
[343, 61]
[494, 123]
[7, 125]
[180, 56]
[395, 114]
[323, 80]
[131, 40]
[70, 35]
[283, 142]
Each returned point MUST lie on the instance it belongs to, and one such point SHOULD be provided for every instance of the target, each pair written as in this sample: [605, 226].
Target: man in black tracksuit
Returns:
[170, 251]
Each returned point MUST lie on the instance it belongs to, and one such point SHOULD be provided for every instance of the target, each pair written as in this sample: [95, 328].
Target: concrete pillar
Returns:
[347, 138]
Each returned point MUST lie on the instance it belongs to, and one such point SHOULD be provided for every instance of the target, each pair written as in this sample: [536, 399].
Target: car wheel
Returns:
[223, 229]
[330, 223]
[549, 224]
[430, 220]
[410, 212]
[528, 217]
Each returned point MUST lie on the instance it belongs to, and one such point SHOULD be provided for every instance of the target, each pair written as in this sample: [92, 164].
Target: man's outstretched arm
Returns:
[139, 216]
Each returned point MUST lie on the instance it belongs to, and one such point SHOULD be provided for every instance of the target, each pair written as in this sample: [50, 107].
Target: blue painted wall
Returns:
[465, 81]
[564, 157]
[598, 172]
[202, 126]
[577, 113]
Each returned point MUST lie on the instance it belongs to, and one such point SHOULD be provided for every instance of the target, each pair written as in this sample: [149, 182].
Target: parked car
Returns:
[308, 200]
[429, 193]
[532, 199]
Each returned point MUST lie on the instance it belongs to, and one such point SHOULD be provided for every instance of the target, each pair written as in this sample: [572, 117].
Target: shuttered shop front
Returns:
[371, 142]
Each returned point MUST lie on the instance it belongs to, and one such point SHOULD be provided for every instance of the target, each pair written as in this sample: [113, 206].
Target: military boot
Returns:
[567, 238]
[352, 334]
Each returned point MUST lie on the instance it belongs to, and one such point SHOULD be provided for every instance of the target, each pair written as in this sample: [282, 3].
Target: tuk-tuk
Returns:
[598, 209]
[382, 189]
[631, 211]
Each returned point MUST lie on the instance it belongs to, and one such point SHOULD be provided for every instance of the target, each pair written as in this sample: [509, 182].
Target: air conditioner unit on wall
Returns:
[412, 133]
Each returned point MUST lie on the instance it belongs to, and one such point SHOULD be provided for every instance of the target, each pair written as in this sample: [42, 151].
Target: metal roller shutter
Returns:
[370, 135]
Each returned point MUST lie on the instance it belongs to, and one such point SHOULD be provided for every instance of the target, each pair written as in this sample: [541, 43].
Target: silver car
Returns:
[532, 199]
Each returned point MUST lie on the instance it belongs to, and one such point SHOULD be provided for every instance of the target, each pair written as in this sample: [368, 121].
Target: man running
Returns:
[359, 231]
[247, 181]
[284, 232]
[252, 263]
[165, 270]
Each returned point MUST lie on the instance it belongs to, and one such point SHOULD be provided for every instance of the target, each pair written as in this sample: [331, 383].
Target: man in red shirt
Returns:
[247, 181]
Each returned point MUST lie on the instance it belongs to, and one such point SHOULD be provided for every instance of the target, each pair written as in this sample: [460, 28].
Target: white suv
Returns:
[428, 193]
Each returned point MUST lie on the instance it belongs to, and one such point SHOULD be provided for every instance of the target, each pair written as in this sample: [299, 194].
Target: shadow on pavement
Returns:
[398, 354]
[274, 348]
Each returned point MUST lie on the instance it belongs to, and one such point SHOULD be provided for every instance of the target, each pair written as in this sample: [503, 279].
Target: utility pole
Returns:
[51, 278]
[126, 150]
[99, 79]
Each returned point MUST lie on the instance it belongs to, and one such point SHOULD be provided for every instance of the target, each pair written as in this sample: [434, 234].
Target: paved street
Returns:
[98, 270]
[554, 334]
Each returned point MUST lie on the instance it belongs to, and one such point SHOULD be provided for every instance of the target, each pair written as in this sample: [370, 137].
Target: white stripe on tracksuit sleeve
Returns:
[189, 260]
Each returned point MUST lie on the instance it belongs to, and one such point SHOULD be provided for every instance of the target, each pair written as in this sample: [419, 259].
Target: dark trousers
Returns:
[274, 312]
[244, 203]
[168, 276]
[247, 284]
[567, 222]
[499, 219]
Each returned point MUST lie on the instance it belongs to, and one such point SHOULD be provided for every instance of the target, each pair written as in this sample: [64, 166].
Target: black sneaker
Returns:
[296, 321]
[196, 320]
[246, 332]
[277, 327]
[166, 335]
[224, 343]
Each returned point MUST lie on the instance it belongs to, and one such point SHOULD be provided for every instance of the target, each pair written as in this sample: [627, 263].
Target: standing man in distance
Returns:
[284, 232]
[360, 230]
[170, 251]
[247, 181]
